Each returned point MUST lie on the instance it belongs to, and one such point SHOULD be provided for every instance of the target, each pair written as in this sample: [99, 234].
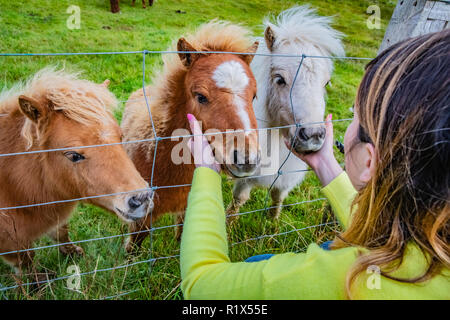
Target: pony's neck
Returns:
[174, 173]
[176, 112]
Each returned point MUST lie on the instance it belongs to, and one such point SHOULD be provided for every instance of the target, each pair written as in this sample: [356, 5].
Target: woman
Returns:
[396, 187]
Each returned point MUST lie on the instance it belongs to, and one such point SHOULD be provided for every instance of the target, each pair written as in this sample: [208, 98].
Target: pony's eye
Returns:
[254, 97]
[328, 83]
[280, 80]
[74, 156]
[201, 98]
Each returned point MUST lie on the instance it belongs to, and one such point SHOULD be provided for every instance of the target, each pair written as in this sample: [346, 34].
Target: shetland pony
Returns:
[150, 3]
[298, 30]
[55, 109]
[218, 89]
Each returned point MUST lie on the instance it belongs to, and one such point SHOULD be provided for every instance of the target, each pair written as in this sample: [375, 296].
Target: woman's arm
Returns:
[206, 270]
[340, 192]
[337, 186]
[323, 162]
[207, 273]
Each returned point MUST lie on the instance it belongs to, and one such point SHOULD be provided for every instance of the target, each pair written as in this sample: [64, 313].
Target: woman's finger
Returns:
[190, 145]
[197, 139]
[195, 128]
[329, 127]
[199, 146]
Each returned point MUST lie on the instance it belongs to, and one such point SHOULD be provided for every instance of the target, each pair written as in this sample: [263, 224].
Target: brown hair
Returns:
[403, 108]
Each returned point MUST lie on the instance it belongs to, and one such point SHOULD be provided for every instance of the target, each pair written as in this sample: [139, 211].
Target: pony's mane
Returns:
[80, 100]
[219, 35]
[303, 24]
[212, 36]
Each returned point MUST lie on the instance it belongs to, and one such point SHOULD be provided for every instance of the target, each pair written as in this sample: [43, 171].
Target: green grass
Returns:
[40, 26]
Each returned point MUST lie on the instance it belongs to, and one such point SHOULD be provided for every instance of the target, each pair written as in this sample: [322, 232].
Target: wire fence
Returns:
[156, 139]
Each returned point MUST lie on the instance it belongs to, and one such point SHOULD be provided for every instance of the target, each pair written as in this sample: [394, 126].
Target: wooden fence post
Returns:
[412, 18]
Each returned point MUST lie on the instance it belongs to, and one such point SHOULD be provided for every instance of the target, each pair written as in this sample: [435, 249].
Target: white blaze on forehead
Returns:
[231, 75]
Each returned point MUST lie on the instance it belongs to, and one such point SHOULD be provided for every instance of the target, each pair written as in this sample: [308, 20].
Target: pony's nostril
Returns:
[134, 202]
[235, 157]
[322, 133]
[306, 134]
[302, 134]
[318, 134]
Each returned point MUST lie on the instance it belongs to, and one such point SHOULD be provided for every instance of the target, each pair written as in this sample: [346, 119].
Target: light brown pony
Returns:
[55, 109]
[218, 89]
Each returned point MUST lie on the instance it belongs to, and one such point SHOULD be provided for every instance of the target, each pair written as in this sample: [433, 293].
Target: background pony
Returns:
[52, 110]
[218, 89]
[297, 30]
[150, 3]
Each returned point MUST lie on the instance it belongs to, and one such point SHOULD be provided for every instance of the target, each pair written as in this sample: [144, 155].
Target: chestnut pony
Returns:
[55, 109]
[218, 89]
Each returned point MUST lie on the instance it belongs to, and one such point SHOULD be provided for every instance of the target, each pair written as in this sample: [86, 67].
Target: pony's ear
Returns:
[106, 83]
[269, 36]
[187, 58]
[32, 108]
[252, 49]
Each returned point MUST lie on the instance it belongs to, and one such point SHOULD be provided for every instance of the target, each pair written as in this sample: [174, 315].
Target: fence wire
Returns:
[156, 139]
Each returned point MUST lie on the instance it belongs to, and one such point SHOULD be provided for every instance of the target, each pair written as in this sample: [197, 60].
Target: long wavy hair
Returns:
[403, 104]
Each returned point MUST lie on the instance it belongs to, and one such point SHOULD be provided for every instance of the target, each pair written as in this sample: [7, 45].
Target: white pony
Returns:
[298, 30]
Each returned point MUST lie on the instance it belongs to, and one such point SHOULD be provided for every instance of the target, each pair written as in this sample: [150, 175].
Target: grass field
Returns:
[40, 26]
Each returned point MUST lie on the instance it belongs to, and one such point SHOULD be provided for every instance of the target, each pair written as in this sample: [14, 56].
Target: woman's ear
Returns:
[370, 163]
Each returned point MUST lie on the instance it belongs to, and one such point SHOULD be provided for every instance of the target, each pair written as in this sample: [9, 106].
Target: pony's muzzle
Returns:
[309, 139]
[244, 165]
[137, 205]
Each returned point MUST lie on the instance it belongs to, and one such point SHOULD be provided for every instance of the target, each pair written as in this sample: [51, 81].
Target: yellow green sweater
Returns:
[208, 273]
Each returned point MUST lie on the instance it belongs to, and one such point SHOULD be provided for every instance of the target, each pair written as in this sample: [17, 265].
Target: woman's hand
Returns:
[200, 148]
[323, 161]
